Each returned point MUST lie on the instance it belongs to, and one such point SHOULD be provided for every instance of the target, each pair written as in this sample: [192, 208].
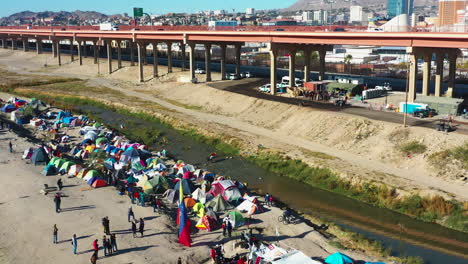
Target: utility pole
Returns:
[406, 95]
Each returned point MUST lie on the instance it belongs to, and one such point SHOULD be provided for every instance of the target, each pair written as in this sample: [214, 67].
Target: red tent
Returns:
[99, 183]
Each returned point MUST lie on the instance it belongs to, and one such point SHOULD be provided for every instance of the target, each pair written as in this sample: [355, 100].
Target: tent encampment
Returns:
[227, 188]
[218, 204]
[130, 155]
[338, 258]
[187, 186]
[39, 157]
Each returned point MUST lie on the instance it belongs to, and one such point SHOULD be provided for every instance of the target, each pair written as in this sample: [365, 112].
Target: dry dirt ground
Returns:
[28, 217]
[362, 148]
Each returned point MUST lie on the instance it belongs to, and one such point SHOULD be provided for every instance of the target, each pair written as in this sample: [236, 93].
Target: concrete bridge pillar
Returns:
[80, 52]
[3, 43]
[95, 51]
[54, 48]
[119, 54]
[292, 67]
[145, 54]
[182, 49]
[273, 78]
[155, 59]
[39, 46]
[208, 62]
[238, 60]
[192, 60]
[426, 73]
[307, 55]
[223, 61]
[452, 56]
[322, 54]
[131, 45]
[109, 55]
[140, 60]
[25, 45]
[169, 57]
[59, 57]
[85, 49]
[413, 73]
[439, 73]
[72, 56]
[14, 44]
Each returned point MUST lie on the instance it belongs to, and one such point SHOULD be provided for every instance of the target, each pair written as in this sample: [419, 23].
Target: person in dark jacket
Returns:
[59, 184]
[55, 235]
[134, 229]
[229, 228]
[130, 213]
[57, 201]
[142, 226]
[113, 240]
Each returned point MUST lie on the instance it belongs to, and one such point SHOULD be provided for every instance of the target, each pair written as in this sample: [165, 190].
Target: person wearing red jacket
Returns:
[96, 247]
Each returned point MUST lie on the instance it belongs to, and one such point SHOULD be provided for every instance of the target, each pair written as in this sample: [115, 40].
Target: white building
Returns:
[219, 12]
[250, 11]
[356, 14]
[307, 16]
[321, 17]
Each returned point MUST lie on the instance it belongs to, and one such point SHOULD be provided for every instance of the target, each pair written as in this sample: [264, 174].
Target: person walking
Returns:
[11, 147]
[113, 242]
[134, 230]
[130, 195]
[142, 226]
[104, 245]
[74, 243]
[103, 222]
[59, 184]
[107, 226]
[109, 247]
[267, 199]
[96, 248]
[156, 205]
[130, 213]
[57, 201]
[179, 261]
[55, 235]
[223, 226]
[229, 228]
[93, 258]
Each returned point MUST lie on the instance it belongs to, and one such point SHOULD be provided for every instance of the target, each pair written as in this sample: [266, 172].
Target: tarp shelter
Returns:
[338, 258]
[227, 188]
[130, 155]
[295, 257]
[92, 135]
[68, 120]
[187, 186]
[27, 154]
[248, 207]
[62, 114]
[39, 156]
[8, 108]
[170, 195]
[19, 103]
[38, 105]
[49, 170]
[99, 183]
[218, 204]
[109, 163]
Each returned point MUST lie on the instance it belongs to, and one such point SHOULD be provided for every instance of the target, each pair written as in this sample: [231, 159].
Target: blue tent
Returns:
[338, 258]
[86, 141]
[8, 108]
[110, 148]
[39, 156]
[49, 170]
[68, 120]
[91, 181]
[63, 114]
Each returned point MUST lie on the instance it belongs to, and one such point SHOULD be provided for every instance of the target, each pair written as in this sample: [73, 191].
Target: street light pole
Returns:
[406, 95]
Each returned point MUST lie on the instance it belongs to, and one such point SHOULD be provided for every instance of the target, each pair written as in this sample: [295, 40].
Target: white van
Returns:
[285, 82]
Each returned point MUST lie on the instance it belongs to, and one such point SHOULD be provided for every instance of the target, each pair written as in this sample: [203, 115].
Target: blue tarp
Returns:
[338, 258]
[8, 108]
[68, 120]
[63, 114]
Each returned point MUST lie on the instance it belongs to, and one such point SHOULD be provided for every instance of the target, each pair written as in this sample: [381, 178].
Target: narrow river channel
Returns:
[405, 235]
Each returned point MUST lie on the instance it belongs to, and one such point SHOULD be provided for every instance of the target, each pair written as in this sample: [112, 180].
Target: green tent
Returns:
[131, 179]
[66, 165]
[97, 125]
[58, 163]
[148, 187]
[218, 204]
[236, 219]
[92, 173]
[101, 140]
[137, 166]
[52, 161]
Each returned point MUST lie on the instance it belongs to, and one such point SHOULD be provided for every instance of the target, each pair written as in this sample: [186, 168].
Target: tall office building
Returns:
[448, 11]
[398, 7]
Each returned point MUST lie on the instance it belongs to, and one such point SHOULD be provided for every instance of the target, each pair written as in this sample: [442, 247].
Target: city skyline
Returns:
[109, 7]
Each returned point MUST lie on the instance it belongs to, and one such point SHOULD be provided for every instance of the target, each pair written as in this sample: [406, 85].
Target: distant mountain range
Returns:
[324, 4]
[61, 15]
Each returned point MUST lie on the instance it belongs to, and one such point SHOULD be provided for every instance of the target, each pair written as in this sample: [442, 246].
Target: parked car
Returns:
[199, 71]
[249, 75]
[232, 76]
[267, 88]
[422, 113]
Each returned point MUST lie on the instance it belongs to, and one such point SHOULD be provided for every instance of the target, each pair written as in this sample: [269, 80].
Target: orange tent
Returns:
[189, 202]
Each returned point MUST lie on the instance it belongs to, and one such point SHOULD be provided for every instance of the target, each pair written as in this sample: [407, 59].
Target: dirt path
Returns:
[269, 129]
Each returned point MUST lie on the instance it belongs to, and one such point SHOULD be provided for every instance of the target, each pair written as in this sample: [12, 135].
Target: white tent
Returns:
[295, 257]
[247, 206]
[199, 195]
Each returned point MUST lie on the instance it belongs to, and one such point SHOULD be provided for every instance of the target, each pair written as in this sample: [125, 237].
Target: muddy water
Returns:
[406, 236]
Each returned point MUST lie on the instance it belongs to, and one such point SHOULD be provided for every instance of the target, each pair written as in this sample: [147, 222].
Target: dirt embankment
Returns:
[357, 148]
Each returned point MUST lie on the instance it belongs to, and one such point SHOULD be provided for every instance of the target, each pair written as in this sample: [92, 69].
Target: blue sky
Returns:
[150, 6]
